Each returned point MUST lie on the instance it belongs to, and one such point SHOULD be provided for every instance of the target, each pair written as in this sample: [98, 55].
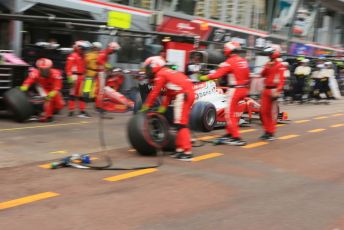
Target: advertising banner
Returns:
[301, 49]
[182, 26]
[119, 19]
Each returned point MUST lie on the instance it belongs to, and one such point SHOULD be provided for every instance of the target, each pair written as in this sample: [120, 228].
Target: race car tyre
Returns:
[158, 133]
[137, 103]
[18, 103]
[203, 116]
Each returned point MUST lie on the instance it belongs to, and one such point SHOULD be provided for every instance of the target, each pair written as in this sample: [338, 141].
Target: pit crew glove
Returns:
[70, 79]
[203, 78]
[51, 94]
[161, 109]
[24, 88]
[144, 108]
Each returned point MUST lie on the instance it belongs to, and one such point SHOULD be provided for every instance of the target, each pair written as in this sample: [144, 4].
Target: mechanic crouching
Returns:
[49, 80]
[273, 73]
[237, 70]
[178, 87]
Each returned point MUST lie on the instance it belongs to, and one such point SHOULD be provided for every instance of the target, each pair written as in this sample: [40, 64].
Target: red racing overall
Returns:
[101, 78]
[75, 67]
[51, 83]
[180, 88]
[237, 70]
[273, 73]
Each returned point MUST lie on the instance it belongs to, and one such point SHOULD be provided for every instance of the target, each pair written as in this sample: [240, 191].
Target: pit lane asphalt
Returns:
[295, 183]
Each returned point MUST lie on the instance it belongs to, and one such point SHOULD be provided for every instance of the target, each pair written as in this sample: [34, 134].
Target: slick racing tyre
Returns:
[203, 116]
[149, 131]
[18, 103]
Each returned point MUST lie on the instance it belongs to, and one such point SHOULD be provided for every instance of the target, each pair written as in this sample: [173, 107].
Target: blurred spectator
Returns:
[332, 81]
[321, 82]
[302, 73]
[287, 90]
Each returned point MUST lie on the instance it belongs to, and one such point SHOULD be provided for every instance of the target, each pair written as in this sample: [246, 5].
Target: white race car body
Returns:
[207, 91]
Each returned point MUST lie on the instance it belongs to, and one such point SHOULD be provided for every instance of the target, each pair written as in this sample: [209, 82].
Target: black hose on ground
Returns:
[109, 162]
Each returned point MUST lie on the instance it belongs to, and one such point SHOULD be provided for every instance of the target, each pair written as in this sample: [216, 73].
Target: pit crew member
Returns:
[237, 70]
[178, 87]
[75, 70]
[91, 70]
[302, 73]
[273, 73]
[50, 81]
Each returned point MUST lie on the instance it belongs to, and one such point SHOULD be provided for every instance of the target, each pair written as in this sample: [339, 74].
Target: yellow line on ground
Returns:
[27, 199]
[131, 150]
[316, 130]
[247, 130]
[288, 137]
[318, 118]
[254, 145]
[45, 166]
[280, 125]
[337, 125]
[204, 138]
[59, 152]
[206, 156]
[338, 115]
[45, 126]
[301, 121]
[130, 175]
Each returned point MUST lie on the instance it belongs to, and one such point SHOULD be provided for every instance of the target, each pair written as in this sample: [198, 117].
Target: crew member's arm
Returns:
[69, 68]
[166, 100]
[69, 65]
[32, 78]
[224, 68]
[264, 71]
[57, 84]
[281, 74]
[159, 83]
[57, 80]
[101, 61]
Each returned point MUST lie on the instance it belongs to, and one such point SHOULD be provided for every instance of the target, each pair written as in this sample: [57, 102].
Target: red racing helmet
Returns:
[153, 65]
[229, 47]
[44, 63]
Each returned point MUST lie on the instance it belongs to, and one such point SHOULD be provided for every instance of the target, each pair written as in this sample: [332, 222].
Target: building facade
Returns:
[320, 21]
